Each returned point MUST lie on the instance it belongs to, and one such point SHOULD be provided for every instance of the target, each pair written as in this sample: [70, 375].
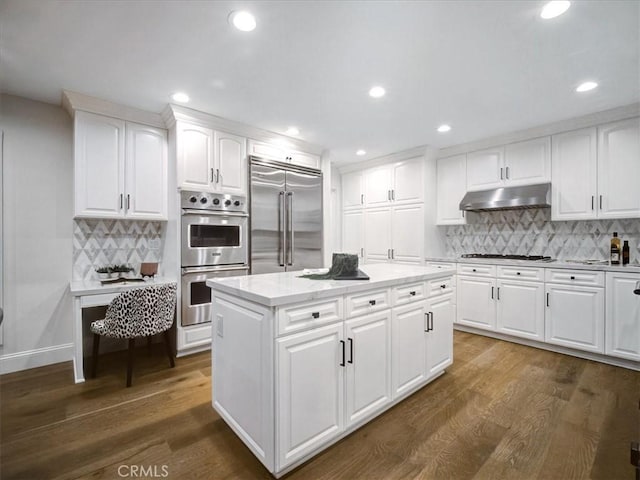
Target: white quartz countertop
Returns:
[274, 289]
[632, 268]
[94, 287]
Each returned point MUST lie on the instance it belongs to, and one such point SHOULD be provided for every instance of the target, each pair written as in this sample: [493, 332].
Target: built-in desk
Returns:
[88, 294]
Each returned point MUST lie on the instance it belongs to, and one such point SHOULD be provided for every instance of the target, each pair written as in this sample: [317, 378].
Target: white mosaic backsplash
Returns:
[106, 242]
[531, 232]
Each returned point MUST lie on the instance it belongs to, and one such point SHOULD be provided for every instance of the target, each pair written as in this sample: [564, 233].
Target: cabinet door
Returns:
[485, 169]
[196, 169]
[353, 233]
[440, 335]
[304, 159]
[267, 151]
[146, 172]
[230, 163]
[377, 235]
[408, 347]
[98, 166]
[520, 308]
[528, 163]
[575, 317]
[377, 186]
[310, 389]
[451, 187]
[368, 373]
[619, 169]
[407, 234]
[352, 190]
[573, 175]
[408, 181]
[622, 331]
[476, 305]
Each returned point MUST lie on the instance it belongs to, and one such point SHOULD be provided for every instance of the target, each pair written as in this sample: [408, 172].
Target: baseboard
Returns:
[38, 357]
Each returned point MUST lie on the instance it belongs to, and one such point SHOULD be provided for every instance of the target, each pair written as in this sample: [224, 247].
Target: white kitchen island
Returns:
[300, 363]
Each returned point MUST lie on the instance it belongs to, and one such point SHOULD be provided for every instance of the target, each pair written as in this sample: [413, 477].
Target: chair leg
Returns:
[167, 343]
[132, 346]
[94, 363]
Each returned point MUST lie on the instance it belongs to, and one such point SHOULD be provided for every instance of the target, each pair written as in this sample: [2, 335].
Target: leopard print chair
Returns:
[140, 312]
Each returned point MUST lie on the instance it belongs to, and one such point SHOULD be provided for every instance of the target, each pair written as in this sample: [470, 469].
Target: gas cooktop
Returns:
[533, 258]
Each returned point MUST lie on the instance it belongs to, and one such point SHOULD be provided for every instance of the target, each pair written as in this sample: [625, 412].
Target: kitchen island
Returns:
[298, 363]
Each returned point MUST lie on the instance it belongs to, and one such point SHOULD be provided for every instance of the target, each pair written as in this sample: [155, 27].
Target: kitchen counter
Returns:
[631, 268]
[275, 289]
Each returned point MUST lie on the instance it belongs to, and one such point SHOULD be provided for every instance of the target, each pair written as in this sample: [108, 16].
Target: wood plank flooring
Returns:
[502, 411]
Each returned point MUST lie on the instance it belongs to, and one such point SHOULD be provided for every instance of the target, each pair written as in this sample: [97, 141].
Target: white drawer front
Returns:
[368, 302]
[309, 315]
[521, 273]
[479, 270]
[441, 265]
[440, 286]
[414, 292]
[575, 277]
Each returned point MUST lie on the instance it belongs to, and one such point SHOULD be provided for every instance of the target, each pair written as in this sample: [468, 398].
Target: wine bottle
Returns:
[615, 249]
[625, 253]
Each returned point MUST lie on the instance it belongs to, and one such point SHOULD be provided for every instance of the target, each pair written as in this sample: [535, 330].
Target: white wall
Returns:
[434, 237]
[37, 211]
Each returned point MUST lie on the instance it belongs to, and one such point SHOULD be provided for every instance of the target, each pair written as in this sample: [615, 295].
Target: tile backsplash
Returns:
[531, 232]
[107, 242]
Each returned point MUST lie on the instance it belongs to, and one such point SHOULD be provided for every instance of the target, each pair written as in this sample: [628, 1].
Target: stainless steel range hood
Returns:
[508, 198]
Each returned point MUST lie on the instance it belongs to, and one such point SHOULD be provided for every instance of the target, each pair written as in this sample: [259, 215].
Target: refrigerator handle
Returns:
[290, 239]
[281, 230]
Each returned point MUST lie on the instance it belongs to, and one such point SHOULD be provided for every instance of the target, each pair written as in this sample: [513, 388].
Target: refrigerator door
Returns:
[267, 219]
[304, 221]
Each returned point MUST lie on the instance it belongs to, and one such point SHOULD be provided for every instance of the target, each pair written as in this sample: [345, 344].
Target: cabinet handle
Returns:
[473, 269]
[315, 314]
[517, 273]
[393, 194]
[572, 277]
[388, 194]
[443, 286]
[492, 293]
[212, 175]
[128, 201]
[413, 294]
[431, 316]
[217, 175]
[121, 197]
[350, 350]
[462, 213]
[498, 294]
[600, 202]
[507, 173]
[592, 199]
[362, 199]
[372, 302]
[547, 299]
[426, 319]
[342, 364]
[361, 252]
[393, 255]
[501, 177]
[389, 253]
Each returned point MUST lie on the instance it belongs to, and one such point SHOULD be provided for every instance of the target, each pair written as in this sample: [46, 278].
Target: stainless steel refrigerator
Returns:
[285, 216]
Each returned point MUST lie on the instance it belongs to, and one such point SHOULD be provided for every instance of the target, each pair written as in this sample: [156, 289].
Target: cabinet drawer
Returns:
[478, 270]
[441, 265]
[408, 293]
[440, 286]
[309, 315]
[367, 302]
[575, 277]
[520, 273]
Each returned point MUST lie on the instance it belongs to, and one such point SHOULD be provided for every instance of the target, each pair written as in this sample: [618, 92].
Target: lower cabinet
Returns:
[439, 337]
[476, 306]
[520, 308]
[622, 332]
[575, 317]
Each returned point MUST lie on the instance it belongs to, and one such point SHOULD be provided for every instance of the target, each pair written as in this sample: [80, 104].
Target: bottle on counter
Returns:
[625, 253]
[615, 249]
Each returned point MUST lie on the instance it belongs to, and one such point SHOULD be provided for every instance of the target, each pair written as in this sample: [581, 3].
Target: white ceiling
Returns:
[485, 67]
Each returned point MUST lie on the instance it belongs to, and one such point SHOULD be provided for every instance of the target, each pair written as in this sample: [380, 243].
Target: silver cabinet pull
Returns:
[361, 252]
[592, 199]
[393, 194]
[128, 201]
[600, 202]
[547, 299]
[462, 213]
[282, 236]
[498, 293]
[492, 288]
[121, 197]
[501, 177]
[212, 176]
[290, 224]
[507, 172]
[362, 199]
[217, 175]
[393, 254]
[388, 194]
[388, 253]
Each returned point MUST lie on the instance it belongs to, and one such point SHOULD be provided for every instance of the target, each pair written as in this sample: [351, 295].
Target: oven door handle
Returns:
[187, 270]
[282, 244]
[213, 213]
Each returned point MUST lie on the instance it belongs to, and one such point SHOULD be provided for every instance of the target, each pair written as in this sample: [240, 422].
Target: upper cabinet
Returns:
[353, 190]
[451, 187]
[595, 172]
[120, 168]
[522, 163]
[283, 154]
[210, 161]
[397, 183]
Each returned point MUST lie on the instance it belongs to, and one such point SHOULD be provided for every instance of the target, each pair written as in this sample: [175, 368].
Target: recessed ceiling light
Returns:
[377, 92]
[243, 20]
[292, 131]
[586, 86]
[180, 97]
[444, 128]
[361, 152]
[555, 8]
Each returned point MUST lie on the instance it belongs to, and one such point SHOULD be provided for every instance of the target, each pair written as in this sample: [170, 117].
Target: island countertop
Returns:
[275, 289]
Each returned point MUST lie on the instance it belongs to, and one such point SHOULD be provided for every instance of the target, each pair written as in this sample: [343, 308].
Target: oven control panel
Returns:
[213, 201]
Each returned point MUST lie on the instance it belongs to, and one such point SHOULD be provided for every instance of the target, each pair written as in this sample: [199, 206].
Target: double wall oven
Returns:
[214, 243]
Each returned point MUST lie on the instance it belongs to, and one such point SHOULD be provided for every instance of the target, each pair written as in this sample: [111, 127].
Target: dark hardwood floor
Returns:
[502, 411]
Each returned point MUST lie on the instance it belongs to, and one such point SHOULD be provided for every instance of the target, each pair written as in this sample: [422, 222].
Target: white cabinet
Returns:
[353, 233]
[398, 183]
[408, 350]
[451, 185]
[439, 338]
[368, 365]
[575, 317]
[282, 153]
[210, 161]
[520, 308]
[528, 163]
[619, 169]
[310, 390]
[622, 321]
[394, 233]
[485, 169]
[377, 186]
[120, 168]
[475, 305]
[377, 235]
[352, 190]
